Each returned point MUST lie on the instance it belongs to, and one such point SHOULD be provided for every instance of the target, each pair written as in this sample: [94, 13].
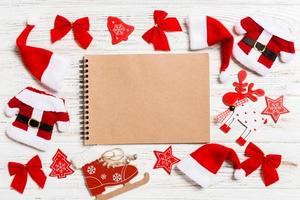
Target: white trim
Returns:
[239, 29]
[273, 25]
[55, 72]
[10, 112]
[196, 172]
[62, 126]
[286, 57]
[248, 62]
[197, 32]
[87, 156]
[41, 101]
[27, 138]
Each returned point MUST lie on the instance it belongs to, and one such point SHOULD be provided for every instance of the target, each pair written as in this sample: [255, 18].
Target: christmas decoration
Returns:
[269, 163]
[203, 164]
[80, 29]
[61, 167]
[21, 171]
[37, 112]
[275, 108]
[111, 169]
[44, 65]
[165, 160]
[265, 38]
[241, 109]
[207, 31]
[156, 35]
[119, 31]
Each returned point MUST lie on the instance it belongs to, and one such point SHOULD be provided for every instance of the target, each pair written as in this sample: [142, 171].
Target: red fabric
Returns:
[218, 33]
[276, 44]
[80, 29]
[97, 176]
[212, 157]
[20, 171]
[156, 35]
[35, 59]
[119, 31]
[269, 163]
[60, 166]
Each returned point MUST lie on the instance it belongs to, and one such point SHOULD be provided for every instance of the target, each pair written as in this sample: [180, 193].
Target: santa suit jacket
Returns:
[37, 112]
[271, 35]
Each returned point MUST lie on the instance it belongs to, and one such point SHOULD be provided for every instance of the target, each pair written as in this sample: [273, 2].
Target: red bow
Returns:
[33, 167]
[80, 29]
[269, 163]
[156, 34]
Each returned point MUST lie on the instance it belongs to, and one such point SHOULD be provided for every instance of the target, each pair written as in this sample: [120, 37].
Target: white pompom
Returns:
[239, 174]
[33, 20]
[223, 77]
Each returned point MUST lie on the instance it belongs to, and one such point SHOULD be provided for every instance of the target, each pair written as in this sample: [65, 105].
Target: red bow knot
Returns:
[269, 163]
[20, 171]
[156, 35]
[80, 29]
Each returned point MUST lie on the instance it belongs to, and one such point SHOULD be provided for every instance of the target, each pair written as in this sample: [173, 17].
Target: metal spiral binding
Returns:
[84, 102]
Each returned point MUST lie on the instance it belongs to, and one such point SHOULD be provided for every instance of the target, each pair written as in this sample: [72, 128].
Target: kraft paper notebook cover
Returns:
[145, 98]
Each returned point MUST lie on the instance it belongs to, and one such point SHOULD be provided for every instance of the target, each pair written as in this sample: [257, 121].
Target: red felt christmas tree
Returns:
[61, 167]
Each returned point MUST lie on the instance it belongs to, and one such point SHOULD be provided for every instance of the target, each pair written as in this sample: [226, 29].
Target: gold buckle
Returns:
[31, 119]
[261, 51]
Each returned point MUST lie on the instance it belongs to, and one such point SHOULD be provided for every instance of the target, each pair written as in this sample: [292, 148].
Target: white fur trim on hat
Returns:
[197, 26]
[55, 72]
[27, 138]
[87, 156]
[239, 174]
[196, 172]
[224, 77]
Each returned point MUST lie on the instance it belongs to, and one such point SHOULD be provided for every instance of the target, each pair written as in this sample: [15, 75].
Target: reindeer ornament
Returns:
[241, 109]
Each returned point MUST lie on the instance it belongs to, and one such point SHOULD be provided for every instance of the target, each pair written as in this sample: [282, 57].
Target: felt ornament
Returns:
[20, 172]
[165, 160]
[47, 67]
[60, 166]
[112, 169]
[119, 30]
[241, 109]
[268, 163]
[36, 113]
[207, 31]
[156, 35]
[275, 108]
[265, 39]
[80, 29]
[203, 164]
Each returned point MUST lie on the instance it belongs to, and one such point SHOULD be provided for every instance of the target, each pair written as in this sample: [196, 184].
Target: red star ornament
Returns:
[60, 166]
[119, 31]
[275, 108]
[165, 160]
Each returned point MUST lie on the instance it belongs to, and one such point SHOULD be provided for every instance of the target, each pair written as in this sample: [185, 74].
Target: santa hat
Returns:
[44, 65]
[207, 31]
[203, 164]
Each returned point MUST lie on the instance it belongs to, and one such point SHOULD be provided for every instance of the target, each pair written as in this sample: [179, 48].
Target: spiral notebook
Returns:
[145, 98]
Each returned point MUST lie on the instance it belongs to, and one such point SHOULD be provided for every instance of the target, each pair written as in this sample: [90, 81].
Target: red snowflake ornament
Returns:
[60, 166]
[165, 160]
[275, 108]
[119, 31]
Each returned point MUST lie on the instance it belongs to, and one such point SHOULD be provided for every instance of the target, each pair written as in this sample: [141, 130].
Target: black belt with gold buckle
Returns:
[34, 123]
[261, 48]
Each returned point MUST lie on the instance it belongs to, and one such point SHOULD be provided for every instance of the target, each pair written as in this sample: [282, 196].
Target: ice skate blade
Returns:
[127, 187]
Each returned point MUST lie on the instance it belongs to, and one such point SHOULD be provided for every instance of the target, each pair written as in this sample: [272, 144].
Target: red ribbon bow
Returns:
[156, 34]
[80, 29]
[269, 163]
[33, 167]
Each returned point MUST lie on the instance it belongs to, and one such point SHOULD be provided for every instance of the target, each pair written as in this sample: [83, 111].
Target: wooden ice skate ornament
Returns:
[241, 109]
[111, 169]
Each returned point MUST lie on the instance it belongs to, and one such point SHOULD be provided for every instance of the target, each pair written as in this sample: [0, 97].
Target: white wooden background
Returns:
[282, 138]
